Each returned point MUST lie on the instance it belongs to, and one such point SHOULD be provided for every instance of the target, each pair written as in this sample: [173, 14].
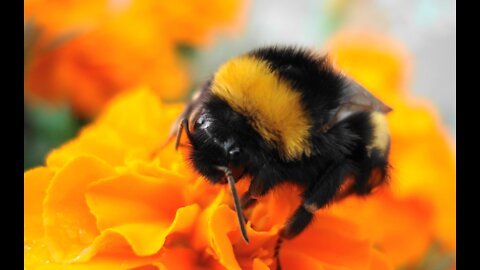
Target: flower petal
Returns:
[136, 121]
[291, 259]
[36, 182]
[35, 253]
[186, 259]
[425, 166]
[69, 225]
[222, 222]
[275, 207]
[377, 62]
[135, 115]
[147, 238]
[37, 257]
[140, 239]
[338, 243]
[379, 261]
[201, 235]
[401, 227]
[96, 140]
[259, 265]
[132, 198]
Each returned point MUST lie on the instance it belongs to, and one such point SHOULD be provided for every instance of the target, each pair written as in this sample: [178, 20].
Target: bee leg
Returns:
[247, 201]
[262, 183]
[276, 252]
[316, 197]
[297, 223]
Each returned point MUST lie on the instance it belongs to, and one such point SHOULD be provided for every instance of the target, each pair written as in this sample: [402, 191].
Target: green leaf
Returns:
[46, 128]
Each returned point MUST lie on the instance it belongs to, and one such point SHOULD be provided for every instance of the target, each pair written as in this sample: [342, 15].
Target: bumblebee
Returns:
[283, 114]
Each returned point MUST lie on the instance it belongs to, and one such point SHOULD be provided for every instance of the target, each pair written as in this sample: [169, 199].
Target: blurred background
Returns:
[79, 54]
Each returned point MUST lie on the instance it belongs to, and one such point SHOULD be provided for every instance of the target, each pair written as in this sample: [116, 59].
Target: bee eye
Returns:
[202, 122]
[234, 154]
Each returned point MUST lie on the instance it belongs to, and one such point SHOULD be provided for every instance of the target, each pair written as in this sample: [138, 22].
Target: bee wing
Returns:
[358, 95]
[355, 99]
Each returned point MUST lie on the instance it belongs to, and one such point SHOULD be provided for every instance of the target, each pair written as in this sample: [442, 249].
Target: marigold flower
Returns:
[103, 48]
[194, 22]
[91, 68]
[102, 202]
[59, 17]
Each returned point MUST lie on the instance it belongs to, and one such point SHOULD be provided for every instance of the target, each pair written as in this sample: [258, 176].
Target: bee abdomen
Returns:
[380, 136]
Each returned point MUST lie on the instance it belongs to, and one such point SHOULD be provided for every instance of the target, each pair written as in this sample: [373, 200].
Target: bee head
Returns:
[216, 136]
[220, 144]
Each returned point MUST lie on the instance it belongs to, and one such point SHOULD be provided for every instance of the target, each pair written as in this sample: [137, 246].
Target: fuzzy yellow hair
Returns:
[250, 87]
[380, 133]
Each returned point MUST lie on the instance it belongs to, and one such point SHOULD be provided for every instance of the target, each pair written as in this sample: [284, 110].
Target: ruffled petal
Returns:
[222, 222]
[275, 207]
[36, 182]
[291, 259]
[425, 166]
[377, 62]
[187, 259]
[132, 198]
[140, 239]
[201, 235]
[69, 224]
[402, 228]
[379, 261]
[259, 265]
[337, 242]
[37, 257]
[135, 122]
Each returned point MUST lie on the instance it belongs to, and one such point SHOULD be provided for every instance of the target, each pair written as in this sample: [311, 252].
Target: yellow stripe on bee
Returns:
[250, 87]
[380, 132]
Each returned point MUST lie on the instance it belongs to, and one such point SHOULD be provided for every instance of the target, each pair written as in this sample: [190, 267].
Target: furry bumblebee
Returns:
[285, 115]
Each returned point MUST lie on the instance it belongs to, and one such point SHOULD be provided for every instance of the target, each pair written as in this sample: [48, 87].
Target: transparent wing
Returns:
[355, 99]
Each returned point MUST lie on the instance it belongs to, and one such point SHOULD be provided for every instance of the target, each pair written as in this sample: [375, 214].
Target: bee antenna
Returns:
[187, 129]
[183, 125]
[179, 134]
[236, 201]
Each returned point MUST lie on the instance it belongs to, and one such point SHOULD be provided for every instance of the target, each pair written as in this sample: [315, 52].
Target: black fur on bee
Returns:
[283, 114]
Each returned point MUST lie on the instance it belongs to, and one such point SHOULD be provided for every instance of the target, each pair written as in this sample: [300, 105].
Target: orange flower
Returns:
[419, 205]
[102, 203]
[91, 68]
[194, 22]
[104, 48]
[59, 17]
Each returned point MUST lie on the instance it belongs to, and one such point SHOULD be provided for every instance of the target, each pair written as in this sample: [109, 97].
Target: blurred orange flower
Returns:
[102, 203]
[91, 68]
[418, 207]
[89, 51]
[59, 17]
[194, 22]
